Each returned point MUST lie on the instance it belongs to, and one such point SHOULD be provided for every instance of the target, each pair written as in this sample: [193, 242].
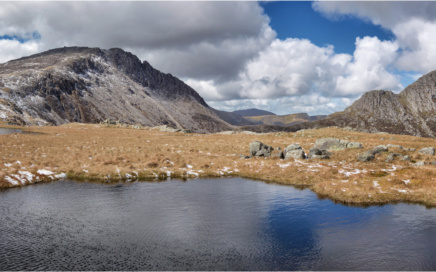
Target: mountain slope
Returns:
[253, 112]
[283, 120]
[411, 112]
[89, 85]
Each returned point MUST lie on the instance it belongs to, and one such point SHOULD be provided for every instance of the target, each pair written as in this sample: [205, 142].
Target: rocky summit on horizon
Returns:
[411, 112]
[90, 85]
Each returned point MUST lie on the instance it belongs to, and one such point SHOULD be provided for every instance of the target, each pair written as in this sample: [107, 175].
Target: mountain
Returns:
[283, 120]
[233, 118]
[89, 85]
[253, 112]
[411, 112]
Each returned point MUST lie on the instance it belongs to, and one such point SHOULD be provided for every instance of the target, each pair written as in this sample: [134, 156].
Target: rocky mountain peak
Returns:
[79, 84]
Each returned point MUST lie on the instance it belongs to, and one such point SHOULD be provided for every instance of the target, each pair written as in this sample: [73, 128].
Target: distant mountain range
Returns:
[90, 85]
[411, 112]
[283, 120]
[253, 112]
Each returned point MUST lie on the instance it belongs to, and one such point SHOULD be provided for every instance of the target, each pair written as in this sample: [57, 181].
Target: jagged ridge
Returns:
[89, 85]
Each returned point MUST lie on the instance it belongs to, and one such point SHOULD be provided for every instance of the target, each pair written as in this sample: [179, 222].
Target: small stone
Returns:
[427, 150]
[368, 156]
[379, 149]
[354, 145]
[420, 163]
[390, 158]
[406, 158]
[394, 146]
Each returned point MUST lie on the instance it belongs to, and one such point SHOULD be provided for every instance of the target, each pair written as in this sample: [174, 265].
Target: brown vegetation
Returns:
[107, 153]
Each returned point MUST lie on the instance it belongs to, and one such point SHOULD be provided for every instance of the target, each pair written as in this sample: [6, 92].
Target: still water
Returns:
[206, 224]
[9, 130]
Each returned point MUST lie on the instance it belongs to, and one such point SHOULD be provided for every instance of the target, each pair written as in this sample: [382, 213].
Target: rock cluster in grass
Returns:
[335, 144]
[295, 151]
[258, 149]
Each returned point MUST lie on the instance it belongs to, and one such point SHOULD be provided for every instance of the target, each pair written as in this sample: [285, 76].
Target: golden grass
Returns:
[106, 153]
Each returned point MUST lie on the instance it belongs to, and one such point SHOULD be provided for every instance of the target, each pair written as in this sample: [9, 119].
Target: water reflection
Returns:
[9, 130]
[225, 224]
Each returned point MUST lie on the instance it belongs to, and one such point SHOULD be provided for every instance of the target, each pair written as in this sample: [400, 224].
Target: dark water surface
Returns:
[215, 224]
[9, 130]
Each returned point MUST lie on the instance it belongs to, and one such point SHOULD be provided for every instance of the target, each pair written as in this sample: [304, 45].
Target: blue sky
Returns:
[284, 57]
[297, 19]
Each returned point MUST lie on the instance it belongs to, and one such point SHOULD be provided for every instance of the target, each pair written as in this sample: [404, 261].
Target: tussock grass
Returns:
[107, 153]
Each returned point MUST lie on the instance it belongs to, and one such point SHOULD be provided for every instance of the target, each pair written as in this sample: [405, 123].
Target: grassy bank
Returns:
[104, 153]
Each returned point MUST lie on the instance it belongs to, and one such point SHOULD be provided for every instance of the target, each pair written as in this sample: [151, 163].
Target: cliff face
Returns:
[412, 111]
[90, 85]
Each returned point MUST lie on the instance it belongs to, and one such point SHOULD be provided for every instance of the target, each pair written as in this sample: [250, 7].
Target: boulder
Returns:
[392, 156]
[379, 149]
[354, 145]
[296, 154]
[259, 149]
[294, 151]
[330, 144]
[427, 150]
[406, 158]
[420, 163]
[368, 156]
[316, 153]
[394, 146]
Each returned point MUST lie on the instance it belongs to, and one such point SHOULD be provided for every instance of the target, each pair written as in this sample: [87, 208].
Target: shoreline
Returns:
[111, 154]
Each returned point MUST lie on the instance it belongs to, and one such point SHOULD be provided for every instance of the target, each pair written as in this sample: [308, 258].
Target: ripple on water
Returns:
[225, 224]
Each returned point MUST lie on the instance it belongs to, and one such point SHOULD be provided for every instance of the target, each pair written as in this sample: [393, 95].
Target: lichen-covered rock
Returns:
[354, 145]
[394, 146]
[296, 154]
[259, 149]
[420, 163]
[316, 153]
[379, 149]
[368, 156]
[391, 157]
[406, 158]
[294, 151]
[427, 150]
[330, 144]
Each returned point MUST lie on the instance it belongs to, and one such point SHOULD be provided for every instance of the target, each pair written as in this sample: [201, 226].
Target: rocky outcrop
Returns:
[258, 149]
[335, 144]
[315, 153]
[90, 85]
[427, 150]
[412, 111]
[294, 151]
[370, 154]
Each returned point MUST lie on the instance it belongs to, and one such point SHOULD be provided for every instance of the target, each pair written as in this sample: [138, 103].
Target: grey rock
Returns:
[427, 150]
[293, 147]
[390, 158]
[378, 149]
[296, 154]
[316, 153]
[354, 145]
[331, 144]
[280, 154]
[368, 156]
[420, 163]
[433, 163]
[259, 149]
[394, 146]
[406, 158]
